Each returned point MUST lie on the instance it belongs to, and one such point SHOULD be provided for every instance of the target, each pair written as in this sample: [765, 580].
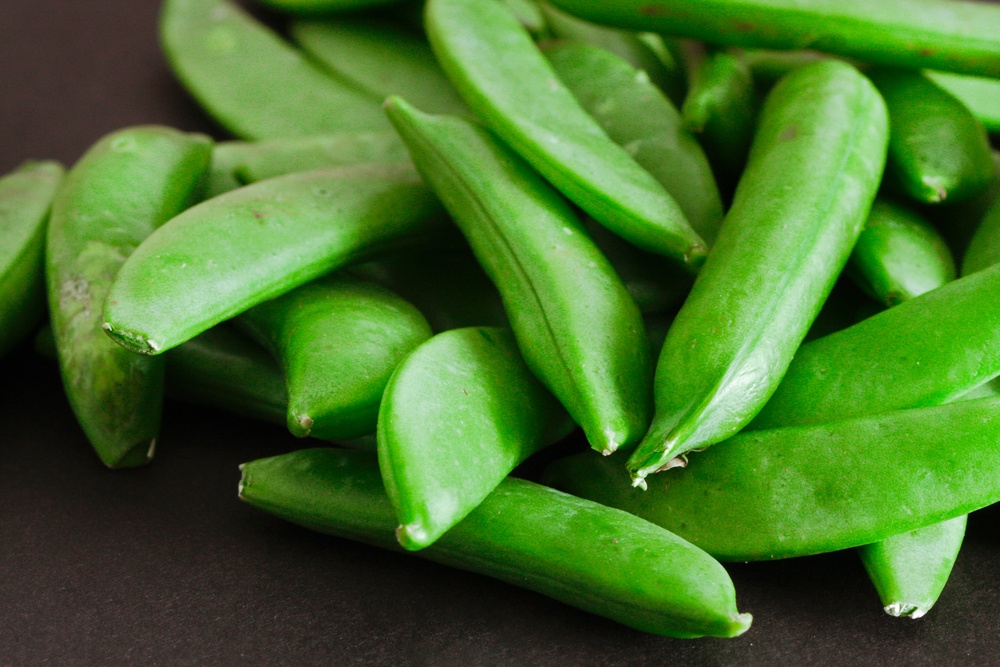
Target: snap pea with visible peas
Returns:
[575, 323]
[811, 177]
[592, 557]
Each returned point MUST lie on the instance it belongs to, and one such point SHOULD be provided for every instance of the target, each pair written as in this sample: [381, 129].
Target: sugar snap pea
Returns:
[984, 247]
[980, 95]
[592, 557]
[784, 241]
[26, 196]
[506, 80]
[798, 491]
[126, 185]
[251, 81]
[934, 34]
[638, 117]
[937, 148]
[460, 412]
[337, 340]
[575, 324]
[252, 244]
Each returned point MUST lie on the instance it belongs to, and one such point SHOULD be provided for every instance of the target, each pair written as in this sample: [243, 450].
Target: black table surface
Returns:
[163, 565]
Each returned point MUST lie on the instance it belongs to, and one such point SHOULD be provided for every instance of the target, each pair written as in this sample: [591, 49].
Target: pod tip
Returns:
[740, 624]
[130, 341]
[900, 609]
[412, 536]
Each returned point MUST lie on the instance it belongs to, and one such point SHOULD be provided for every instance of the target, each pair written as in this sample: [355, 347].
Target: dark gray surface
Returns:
[164, 566]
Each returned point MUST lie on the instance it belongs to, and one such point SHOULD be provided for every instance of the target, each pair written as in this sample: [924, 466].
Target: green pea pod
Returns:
[26, 196]
[910, 570]
[251, 81]
[237, 163]
[720, 109]
[592, 557]
[981, 96]
[934, 34]
[639, 50]
[242, 248]
[899, 255]
[805, 490]
[337, 340]
[638, 117]
[321, 7]
[460, 412]
[575, 323]
[125, 186]
[506, 80]
[809, 183]
[937, 148]
[380, 59]
[984, 248]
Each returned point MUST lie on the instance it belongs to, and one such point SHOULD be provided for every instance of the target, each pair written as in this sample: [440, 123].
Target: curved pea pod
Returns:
[506, 80]
[337, 339]
[638, 49]
[899, 255]
[980, 95]
[126, 185]
[813, 489]
[809, 183]
[238, 163]
[26, 196]
[380, 59]
[460, 412]
[638, 117]
[242, 248]
[591, 557]
[934, 34]
[576, 325]
[984, 248]
[937, 149]
[720, 109]
[251, 81]
[910, 570]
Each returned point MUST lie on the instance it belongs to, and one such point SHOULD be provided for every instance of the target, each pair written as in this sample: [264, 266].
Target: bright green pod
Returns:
[576, 325]
[984, 248]
[910, 570]
[337, 340]
[805, 490]
[639, 118]
[637, 49]
[506, 80]
[980, 95]
[934, 34]
[591, 557]
[26, 196]
[937, 149]
[899, 255]
[721, 109]
[237, 163]
[251, 81]
[123, 188]
[813, 172]
[314, 7]
[381, 59]
[460, 412]
[242, 248]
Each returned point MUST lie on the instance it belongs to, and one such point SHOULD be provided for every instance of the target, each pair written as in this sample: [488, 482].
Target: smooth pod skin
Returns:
[506, 80]
[933, 34]
[937, 149]
[984, 248]
[980, 95]
[242, 248]
[251, 81]
[639, 118]
[789, 492]
[720, 109]
[123, 188]
[338, 340]
[238, 163]
[812, 174]
[381, 59]
[592, 557]
[899, 255]
[575, 324]
[26, 196]
[460, 412]
[910, 570]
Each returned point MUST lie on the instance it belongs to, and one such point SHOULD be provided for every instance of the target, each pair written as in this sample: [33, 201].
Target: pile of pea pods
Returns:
[745, 250]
